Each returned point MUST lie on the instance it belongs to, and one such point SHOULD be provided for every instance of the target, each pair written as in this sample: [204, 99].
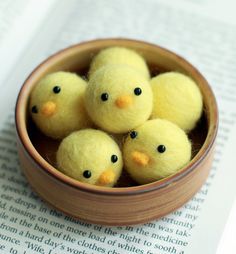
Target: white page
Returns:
[223, 11]
[19, 21]
[227, 243]
[201, 47]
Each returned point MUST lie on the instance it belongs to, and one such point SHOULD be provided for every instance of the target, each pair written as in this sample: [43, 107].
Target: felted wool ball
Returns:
[90, 156]
[177, 98]
[119, 55]
[118, 98]
[155, 150]
[57, 104]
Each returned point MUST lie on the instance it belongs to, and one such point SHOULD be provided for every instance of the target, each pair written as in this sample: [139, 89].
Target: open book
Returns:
[201, 31]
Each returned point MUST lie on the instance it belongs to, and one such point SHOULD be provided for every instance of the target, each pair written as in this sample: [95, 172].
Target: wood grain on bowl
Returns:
[121, 205]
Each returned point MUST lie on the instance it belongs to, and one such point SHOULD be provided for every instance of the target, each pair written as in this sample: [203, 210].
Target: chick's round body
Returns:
[119, 55]
[177, 98]
[155, 150]
[90, 156]
[118, 98]
[57, 104]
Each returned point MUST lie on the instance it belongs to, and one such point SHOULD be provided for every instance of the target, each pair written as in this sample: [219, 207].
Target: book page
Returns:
[227, 242]
[28, 225]
[19, 21]
[223, 11]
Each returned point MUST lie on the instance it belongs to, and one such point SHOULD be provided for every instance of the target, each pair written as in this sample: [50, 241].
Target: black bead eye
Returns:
[56, 89]
[104, 96]
[137, 91]
[114, 158]
[133, 134]
[161, 148]
[34, 109]
[87, 174]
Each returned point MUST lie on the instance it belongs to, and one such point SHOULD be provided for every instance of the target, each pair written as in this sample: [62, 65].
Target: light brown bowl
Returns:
[120, 205]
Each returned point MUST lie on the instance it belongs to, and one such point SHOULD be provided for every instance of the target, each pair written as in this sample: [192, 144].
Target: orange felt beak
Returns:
[124, 101]
[139, 158]
[107, 177]
[48, 108]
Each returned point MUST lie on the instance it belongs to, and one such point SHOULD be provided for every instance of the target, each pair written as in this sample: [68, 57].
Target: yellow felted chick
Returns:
[57, 104]
[118, 98]
[90, 156]
[155, 150]
[119, 55]
[176, 98]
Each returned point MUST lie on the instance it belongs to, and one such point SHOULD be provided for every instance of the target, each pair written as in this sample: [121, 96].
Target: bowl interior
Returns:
[47, 147]
[77, 59]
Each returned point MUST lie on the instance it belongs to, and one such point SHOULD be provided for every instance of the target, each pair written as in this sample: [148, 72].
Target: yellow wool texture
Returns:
[90, 150]
[57, 104]
[122, 109]
[177, 98]
[143, 154]
[119, 55]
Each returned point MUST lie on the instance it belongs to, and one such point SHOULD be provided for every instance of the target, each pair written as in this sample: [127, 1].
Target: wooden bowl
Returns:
[121, 205]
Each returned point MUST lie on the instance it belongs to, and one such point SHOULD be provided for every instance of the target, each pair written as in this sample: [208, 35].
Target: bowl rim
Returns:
[32, 153]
